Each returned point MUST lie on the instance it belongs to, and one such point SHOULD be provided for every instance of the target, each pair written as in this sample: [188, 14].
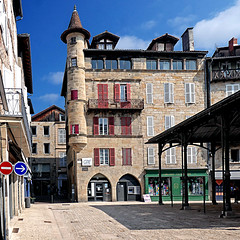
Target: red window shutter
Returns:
[127, 156]
[77, 129]
[124, 156]
[128, 92]
[102, 95]
[117, 92]
[123, 125]
[130, 156]
[96, 157]
[112, 156]
[111, 125]
[95, 126]
[71, 129]
[100, 91]
[74, 94]
[128, 126]
[105, 91]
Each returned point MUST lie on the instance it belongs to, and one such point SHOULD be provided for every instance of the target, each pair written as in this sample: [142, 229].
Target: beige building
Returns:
[224, 80]
[15, 110]
[115, 101]
[48, 161]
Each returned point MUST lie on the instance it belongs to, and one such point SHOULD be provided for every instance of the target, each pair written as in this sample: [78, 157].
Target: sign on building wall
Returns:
[86, 162]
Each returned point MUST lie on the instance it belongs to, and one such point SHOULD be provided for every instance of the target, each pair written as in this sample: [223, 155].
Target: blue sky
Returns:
[137, 22]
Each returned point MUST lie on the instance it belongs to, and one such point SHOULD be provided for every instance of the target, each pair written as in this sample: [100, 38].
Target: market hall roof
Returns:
[205, 126]
[75, 25]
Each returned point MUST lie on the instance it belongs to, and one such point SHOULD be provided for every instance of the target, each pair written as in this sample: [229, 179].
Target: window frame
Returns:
[191, 93]
[127, 154]
[125, 64]
[34, 135]
[163, 62]
[187, 64]
[149, 93]
[151, 156]
[74, 62]
[61, 136]
[105, 158]
[46, 131]
[228, 93]
[170, 156]
[171, 120]
[34, 152]
[45, 145]
[168, 95]
[191, 155]
[96, 64]
[105, 126]
[150, 64]
[175, 64]
[150, 129]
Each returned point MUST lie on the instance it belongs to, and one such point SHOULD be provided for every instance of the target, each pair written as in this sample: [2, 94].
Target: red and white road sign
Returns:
[6, 168]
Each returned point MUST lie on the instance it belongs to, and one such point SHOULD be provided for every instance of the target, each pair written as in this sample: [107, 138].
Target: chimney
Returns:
[187, 40]
[231, 44]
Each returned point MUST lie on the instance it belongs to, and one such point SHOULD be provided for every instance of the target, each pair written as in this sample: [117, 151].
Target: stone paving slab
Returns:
[125, 220]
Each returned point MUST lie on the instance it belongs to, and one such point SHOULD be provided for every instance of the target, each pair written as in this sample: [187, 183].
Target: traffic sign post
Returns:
[6, 168]
[20, 168]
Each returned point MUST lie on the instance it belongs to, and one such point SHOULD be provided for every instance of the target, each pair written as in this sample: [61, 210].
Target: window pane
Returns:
[165, 65]
[191, 65]
[109, 46]
[34, 130]
[111, 64]
[74, 62]
[177, 65]
[125, 64]
[151, 64]
[97, 64]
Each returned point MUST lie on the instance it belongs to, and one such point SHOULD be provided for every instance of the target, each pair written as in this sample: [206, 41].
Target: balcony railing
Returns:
[16, 108]
[230, 74]
[132, 104]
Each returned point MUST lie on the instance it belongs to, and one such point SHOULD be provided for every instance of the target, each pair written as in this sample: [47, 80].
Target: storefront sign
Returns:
[147, 198]
[86, 161]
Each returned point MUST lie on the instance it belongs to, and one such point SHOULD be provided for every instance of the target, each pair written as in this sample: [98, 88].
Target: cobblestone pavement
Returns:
[124, 220]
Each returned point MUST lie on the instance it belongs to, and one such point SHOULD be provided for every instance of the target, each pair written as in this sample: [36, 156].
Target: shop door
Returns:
[99, 192]
[121, 191]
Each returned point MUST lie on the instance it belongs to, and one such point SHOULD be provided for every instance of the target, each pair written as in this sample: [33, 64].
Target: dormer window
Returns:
[101, 46]
[109, 46]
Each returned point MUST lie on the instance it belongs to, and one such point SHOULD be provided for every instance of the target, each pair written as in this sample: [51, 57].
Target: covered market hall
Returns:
[215, 128]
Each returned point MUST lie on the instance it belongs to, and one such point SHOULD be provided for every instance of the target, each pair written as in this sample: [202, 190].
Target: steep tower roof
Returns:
[75, 25]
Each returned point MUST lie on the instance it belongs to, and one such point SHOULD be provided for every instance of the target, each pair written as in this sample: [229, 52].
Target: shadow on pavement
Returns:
[153, 216]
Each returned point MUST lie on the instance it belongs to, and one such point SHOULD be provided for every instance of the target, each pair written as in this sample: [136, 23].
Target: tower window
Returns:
[74, 62]
[73, 40]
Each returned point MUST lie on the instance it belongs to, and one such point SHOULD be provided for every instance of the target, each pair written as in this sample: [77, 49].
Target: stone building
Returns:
[224, 80]
[15, 110]
[48, 160]
[115, 101]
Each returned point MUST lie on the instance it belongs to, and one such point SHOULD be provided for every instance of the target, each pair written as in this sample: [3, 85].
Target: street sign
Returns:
[6, 168]
[20, 168]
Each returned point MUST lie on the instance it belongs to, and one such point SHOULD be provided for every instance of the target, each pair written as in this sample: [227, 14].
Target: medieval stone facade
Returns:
[115, 101]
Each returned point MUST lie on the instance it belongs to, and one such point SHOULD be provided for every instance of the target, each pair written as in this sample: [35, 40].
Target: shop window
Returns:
[153, 186]
[235, 153]
[97, 64]
[177, 65]
[125, 64]
[46, 148]
[191, 65]
[164, 65]
[126, 156]
[195, 186]
[34, 148]
[151, 64]
[46, 130]
[111, 64]
[34, 130]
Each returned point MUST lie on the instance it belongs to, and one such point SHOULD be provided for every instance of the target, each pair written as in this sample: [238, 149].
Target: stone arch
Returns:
[99, 188]
[128, 188]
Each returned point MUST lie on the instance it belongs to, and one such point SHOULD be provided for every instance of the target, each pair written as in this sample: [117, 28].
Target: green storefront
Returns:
[171, 178]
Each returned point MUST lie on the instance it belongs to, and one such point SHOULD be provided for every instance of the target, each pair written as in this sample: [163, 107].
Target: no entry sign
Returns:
[6, 168]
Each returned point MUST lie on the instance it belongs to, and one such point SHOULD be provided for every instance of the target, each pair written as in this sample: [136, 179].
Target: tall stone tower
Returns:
[76, 38]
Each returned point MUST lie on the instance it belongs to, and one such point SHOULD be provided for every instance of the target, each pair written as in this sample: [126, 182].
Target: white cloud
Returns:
[217, 31]
[51, 98]
[54, 77]
[149, 24]
[132, 42]
[181, 23]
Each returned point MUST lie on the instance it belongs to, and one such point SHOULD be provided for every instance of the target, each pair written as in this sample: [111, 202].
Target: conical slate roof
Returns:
[75, 25]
